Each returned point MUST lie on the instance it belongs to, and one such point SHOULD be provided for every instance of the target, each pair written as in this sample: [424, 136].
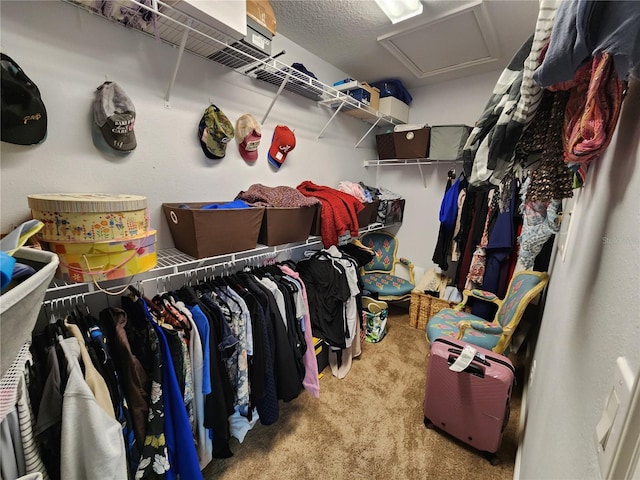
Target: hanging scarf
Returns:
[593, 108]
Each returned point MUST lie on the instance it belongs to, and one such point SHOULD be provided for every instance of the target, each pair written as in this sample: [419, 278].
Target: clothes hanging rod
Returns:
[169, 270]
[173, 263]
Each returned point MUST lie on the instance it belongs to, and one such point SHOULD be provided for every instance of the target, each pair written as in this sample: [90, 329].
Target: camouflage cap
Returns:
[214, 132]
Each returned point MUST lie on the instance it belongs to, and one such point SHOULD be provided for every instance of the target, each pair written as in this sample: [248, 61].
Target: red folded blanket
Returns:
[339, 211]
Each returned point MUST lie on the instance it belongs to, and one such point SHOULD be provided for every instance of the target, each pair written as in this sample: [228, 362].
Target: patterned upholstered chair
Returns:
[493, 335]
[379, 275]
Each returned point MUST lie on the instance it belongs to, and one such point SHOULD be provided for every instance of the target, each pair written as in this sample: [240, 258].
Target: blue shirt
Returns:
[202, 324]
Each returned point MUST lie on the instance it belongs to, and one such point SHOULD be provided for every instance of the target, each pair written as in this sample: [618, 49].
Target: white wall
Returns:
[68, 52]
[591, 315]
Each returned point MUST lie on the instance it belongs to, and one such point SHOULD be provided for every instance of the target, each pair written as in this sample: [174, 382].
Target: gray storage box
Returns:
[447, 141]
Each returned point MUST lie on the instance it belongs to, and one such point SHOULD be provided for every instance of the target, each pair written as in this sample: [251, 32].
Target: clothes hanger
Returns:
[156, 313]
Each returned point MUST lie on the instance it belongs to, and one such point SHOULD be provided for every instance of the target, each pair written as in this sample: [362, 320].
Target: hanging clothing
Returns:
[488, 152]
[84, 422]
[448, 216]
[19, 453]
[499, 247]
[203, 441]
[219, 403]
[265, 398]
[182, 459]
[543, 140]
[310, 381]
[328, 291]
[583, 29]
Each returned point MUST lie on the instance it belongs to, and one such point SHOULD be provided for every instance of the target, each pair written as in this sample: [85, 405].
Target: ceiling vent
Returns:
[457, 40]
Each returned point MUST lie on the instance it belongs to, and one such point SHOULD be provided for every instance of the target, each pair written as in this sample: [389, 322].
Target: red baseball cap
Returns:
[282, 143]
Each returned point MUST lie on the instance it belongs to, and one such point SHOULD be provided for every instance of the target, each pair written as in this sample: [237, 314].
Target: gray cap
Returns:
[115, 115]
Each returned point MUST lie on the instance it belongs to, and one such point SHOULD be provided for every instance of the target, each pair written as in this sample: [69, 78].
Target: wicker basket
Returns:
[424, 306]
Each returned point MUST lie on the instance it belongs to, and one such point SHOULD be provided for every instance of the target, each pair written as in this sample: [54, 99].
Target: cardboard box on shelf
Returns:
[209, 232]
[374, 103]
[262, 12]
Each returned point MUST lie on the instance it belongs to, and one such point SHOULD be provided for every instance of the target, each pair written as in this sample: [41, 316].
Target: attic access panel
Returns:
[456, 40]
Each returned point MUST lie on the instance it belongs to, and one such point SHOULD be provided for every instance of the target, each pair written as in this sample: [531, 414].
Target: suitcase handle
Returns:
[477, 358]
[472, 369]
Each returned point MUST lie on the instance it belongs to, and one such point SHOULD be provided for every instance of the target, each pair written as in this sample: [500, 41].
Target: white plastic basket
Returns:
[19, 306]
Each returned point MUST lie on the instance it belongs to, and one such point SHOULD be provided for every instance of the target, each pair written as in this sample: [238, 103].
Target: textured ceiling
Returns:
[345, 33]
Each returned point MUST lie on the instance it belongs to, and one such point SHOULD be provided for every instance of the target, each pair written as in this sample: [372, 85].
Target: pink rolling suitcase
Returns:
[471, 405]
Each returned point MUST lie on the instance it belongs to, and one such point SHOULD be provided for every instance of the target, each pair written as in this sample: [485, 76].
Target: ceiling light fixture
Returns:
[400, 10]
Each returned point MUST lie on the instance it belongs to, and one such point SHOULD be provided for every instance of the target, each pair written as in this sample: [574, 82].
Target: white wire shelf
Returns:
[401, 162]
[160, 19]
[406, 161]
[171, 262]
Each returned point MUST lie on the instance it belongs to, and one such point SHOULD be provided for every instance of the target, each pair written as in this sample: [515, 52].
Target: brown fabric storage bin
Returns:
[315, 224]
[386, 147]
[286, 225]
[424, 306]
[412, 143]
[447, 141]
[368, 214]
[407, 144]
[209, 232]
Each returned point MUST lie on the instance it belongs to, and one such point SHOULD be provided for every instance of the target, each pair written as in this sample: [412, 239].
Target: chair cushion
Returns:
[445, 324]
[385, 284]
[384, 247]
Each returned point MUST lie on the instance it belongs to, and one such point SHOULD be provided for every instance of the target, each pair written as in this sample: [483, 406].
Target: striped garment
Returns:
[488, 153]
[14, 395]
[530, 91]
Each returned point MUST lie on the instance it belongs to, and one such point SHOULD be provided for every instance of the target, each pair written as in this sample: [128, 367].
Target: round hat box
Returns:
[89, 217]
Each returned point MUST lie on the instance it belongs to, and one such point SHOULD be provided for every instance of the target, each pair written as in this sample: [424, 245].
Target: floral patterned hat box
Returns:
[96, 236]
[89, 217]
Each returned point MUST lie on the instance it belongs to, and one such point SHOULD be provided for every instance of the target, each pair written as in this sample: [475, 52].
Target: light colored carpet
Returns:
[368, 425]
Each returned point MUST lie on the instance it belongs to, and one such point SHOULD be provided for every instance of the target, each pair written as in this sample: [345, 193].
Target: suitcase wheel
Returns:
[492, 458]
[428, 423]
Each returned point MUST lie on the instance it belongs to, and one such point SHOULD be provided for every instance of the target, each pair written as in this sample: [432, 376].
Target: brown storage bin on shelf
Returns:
[317, 219]
[407, 144]
[412, 143]
[368, 214]
[386, 147]
[209, 232]
[424, 306]
[286, 224]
